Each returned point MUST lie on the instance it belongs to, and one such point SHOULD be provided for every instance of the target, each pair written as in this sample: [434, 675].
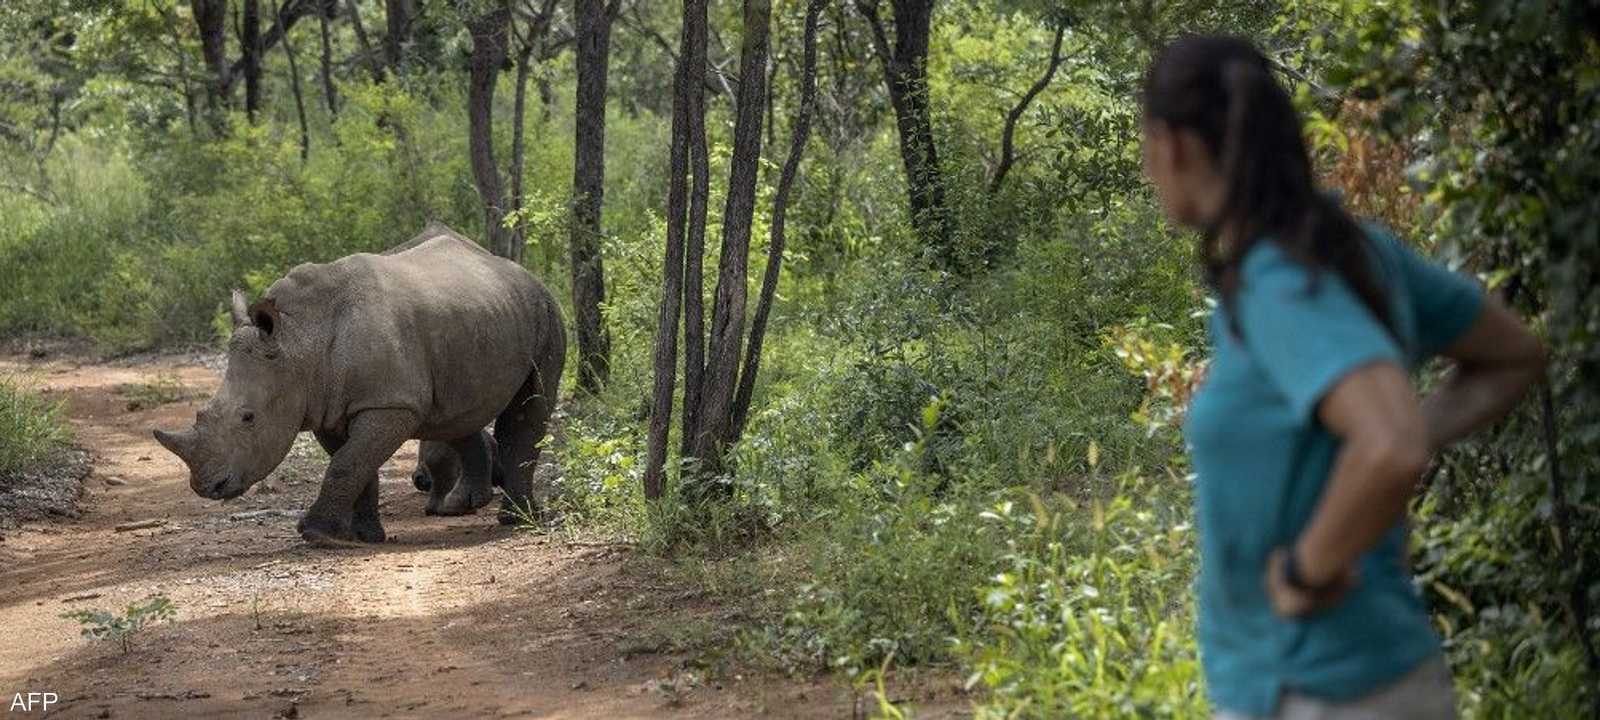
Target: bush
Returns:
[31, 428]
[1092, 615]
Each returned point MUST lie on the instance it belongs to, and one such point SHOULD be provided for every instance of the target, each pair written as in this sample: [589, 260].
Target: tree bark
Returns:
[329, 92]
[399, 14]
[688, 81]
[905, 72]
[189, 110]
[728, 314]
[800, 134]
[489, 47]
[588, 187]
[373, 63]
[294, 86]
[291, 13]
[1008, 150]
[250, 38]
[519, 156]
[211, 19]
[694, 335]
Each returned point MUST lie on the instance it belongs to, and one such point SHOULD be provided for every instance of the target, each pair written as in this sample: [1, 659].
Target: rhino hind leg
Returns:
[440, 465]
[519, 431]
[473, 487]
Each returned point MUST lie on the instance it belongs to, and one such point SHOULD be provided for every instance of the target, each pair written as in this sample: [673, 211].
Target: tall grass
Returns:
[31, 429]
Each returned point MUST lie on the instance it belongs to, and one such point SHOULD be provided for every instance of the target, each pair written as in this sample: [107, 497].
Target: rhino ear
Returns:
[241, 316]
[264, 315]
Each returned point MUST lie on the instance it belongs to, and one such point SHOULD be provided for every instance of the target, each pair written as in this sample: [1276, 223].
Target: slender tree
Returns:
[294, 86]
[905, 72]
[694, 333]
[329, 93]
[250, 39]
[399, 15]
[1008, 151]
[588, 188]
[716, 410]
[489, 47]
[728, 313]
[211, 19]
[373, 62]
[688, 83]
[800, 134]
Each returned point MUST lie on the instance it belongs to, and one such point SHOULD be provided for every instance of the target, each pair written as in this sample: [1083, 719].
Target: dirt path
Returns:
[453, 617]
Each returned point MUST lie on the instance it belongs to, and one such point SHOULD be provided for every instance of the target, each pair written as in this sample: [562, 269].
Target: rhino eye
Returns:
[248, 416]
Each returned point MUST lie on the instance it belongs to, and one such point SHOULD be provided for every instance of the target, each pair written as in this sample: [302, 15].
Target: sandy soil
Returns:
[452, 617]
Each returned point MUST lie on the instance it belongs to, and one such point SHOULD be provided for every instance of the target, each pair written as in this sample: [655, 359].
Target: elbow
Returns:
[1397, 459]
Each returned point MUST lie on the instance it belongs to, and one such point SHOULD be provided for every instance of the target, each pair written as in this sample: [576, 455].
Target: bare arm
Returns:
[1375, 411]
[1497, 360]
[1388, 436]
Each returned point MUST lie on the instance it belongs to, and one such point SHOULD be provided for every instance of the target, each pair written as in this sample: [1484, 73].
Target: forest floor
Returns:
[452, 617]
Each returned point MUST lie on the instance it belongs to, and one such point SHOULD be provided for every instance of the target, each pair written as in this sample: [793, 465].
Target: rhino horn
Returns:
[237, 308]
[180, 443]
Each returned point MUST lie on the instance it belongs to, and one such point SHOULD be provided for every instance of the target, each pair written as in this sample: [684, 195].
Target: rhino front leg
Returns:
[474, 489]
[373, 436]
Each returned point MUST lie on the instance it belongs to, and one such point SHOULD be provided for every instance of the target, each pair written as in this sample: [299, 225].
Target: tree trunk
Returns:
[399, 14]
[688, 82]
[373, 63]
[1008, 150]
[250, 38]
[294, 85]
[905, 72]
[189, 110]
[518, 147]
[329, 92]
[211, 19]
[694, 334]
[728, 314]
[488, 33]
[588, 187]
[800, 133]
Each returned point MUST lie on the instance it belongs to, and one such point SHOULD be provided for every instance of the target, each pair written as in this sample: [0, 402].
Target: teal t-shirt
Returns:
[1262, 458]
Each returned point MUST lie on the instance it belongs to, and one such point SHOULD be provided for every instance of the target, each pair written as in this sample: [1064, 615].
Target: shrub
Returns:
[30, 427]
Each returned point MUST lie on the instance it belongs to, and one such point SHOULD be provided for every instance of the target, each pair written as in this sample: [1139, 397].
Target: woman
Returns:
[1308, 437]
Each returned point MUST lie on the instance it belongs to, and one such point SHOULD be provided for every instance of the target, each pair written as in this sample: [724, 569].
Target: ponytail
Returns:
[1223, 89]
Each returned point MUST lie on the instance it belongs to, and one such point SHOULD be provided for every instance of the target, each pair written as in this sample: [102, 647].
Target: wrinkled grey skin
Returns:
[440, 465]
[431, 340]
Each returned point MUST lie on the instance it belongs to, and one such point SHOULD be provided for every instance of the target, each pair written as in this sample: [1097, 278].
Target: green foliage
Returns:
[31, 428]
[1092, 616]
[122, 627]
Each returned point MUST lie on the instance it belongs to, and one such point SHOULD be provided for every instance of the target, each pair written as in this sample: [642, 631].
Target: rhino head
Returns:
[246, 429]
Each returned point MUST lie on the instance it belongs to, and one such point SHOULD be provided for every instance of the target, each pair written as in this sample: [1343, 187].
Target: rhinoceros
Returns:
[440, 466]
[432, 339]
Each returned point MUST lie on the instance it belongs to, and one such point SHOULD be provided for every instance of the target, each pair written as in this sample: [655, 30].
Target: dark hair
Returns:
[1222, 88]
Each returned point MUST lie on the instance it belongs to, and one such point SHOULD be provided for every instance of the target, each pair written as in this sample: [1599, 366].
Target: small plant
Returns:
[30, 427]
[163, 388]
[103, 625]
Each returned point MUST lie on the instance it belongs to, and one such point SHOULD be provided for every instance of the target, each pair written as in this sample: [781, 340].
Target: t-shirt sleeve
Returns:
[1444, 303]
[1305, 334]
